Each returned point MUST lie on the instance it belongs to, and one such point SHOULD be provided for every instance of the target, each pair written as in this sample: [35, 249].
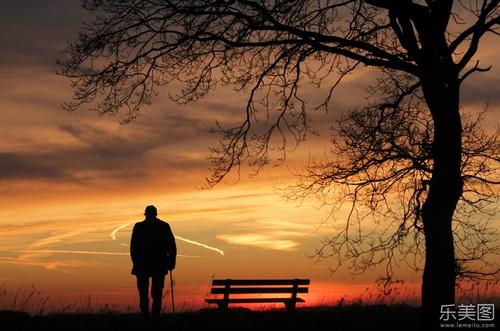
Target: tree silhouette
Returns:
[381, 166]
[269, 46]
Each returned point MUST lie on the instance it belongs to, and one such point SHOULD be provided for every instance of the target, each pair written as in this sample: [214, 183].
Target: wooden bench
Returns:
[227, 287]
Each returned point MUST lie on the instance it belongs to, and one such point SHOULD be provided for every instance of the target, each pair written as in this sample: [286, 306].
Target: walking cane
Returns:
[172, 292]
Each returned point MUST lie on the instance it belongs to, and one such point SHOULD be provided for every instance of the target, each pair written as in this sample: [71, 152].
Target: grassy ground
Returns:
[353, 317]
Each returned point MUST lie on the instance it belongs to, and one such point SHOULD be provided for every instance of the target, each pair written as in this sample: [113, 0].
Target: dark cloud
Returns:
[139, 151]
[99, 155]
[34, 32]
[176, 124]
[107, 146]
[481, 90]
[29, 166]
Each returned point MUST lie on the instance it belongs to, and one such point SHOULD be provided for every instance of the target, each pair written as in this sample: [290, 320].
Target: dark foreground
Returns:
[315, 319]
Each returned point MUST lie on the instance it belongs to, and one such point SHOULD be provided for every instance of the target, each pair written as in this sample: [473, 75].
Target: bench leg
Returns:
[222, 305]
[290, 305]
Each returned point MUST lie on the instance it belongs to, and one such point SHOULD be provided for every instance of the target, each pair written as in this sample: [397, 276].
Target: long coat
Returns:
[152, 248]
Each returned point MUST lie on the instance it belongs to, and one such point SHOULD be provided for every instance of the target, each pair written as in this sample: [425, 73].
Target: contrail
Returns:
[55, 251]
[49, 251]
[189, 241]
[192, 242]
[113, 233]
[48, 265]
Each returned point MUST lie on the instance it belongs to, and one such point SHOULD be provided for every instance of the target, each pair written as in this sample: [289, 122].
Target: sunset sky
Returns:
[73, 184]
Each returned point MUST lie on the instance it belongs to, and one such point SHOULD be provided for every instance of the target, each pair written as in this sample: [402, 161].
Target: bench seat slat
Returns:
[254, 300]
[260, 282]
[255, 290]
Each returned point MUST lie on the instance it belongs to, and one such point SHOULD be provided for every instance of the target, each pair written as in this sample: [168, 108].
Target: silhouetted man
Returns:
[153, 253]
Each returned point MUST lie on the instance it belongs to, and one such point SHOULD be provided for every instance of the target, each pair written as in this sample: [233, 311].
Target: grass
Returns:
[396, 308]
[27, 309]
[24, 299]
[352, 317]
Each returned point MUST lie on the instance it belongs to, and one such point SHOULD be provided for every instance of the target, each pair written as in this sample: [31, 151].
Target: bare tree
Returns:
[379, 171]
[269, 47]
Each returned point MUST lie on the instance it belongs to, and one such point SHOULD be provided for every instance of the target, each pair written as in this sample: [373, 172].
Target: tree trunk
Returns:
[441, 91]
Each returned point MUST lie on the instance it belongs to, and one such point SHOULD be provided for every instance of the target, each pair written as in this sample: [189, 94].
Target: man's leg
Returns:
[157, 283]
[143, 287]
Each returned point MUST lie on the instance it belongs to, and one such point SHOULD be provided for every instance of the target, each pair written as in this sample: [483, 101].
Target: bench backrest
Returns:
[248, 286]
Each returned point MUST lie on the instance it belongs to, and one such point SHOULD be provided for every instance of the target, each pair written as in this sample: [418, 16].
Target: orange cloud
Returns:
[260, 241]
